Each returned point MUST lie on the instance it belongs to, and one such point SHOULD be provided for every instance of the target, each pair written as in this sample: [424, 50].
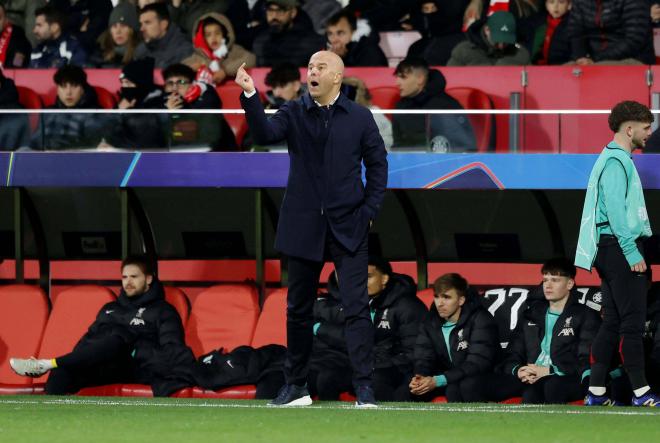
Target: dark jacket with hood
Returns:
[152, 328]
[294, 45]
[476, 51]
[128, 130]
[172, 48]
[473, 343]
[572, 335]
[441, 133]
[236, 54]
[396, 314]
[611, 30]
[66, 50]
[14, 128]
[70, 131]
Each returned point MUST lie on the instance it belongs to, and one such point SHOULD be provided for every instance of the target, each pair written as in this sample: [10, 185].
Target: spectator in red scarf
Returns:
[551, 44]
[15, 48]
[215, 47]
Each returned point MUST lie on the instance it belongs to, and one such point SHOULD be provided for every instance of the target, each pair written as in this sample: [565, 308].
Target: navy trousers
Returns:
[304, 277]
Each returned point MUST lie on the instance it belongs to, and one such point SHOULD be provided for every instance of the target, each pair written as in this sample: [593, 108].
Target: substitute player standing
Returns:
[613, 226]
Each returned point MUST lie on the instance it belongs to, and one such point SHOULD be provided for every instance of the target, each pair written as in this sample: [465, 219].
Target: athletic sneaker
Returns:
[599, 400]
[292, 395]
[649, 399]
[29, 367]
[365, 398]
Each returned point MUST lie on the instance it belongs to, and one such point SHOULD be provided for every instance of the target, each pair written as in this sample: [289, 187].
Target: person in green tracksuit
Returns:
[613, 226]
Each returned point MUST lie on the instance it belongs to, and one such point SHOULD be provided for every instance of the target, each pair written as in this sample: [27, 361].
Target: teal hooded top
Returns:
[614, 204]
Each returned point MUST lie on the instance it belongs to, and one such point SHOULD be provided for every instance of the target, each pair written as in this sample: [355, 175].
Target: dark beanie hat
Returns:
[140, 72]
[125, 13]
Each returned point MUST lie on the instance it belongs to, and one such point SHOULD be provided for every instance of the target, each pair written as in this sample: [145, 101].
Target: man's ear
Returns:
[461, 300]
[571, 284]
[150, 279]
[386, 279]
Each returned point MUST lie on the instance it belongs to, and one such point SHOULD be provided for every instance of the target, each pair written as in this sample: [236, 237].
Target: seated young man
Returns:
[547, 360]
[456, 346]
[396, 313]
[137, 339]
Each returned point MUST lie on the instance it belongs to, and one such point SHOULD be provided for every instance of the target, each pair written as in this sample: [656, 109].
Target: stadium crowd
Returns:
[214, 37]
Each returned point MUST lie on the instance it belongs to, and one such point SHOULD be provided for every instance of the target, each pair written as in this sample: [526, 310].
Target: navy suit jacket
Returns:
[324, 187]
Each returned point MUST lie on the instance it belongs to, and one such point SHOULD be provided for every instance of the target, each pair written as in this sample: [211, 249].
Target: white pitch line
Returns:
[502, 409]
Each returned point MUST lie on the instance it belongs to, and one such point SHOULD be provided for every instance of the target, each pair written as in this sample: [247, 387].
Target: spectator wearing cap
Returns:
[56, 47]
[70, 131]
[290, 35]
[353, 41]
[163, 40]
[138, 91]
[610, 32]
[187, 13]
[15, 48]
[216, 48]
[118, 43]
[491, 42]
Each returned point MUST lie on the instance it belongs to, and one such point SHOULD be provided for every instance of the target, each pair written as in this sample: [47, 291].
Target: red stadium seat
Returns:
[74, 310]
[426, 295]
[234, 392]
[471, 98]
[177, 298]
[107, 99]
[30, 100]
[385, 97]
[23, 316]
[222, 316]
[238, 125]
[271, 326]
[230, 95]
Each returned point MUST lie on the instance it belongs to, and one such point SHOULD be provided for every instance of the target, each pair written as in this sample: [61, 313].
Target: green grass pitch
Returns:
[79, 419]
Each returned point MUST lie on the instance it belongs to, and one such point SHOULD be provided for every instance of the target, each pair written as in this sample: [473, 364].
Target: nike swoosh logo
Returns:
[529, 323]
[109, 311]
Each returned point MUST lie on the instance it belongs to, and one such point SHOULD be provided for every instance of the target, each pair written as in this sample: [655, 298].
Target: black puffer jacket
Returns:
[152, 328]
[396, 313]
[14, 128]
[473, 343]
[572, 335]
[416, 131]
[611, 30]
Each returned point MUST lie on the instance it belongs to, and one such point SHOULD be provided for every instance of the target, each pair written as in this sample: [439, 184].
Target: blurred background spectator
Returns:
[440, 23]
[21, 13]
[194, 130]
[353, 40]
[424, 88]
[551, 45]
[70, 130]
[138, 91]
[383, 15]
[15, 48]
[490, 41]
[319, 11]
[610, 31]
[117, 44]
[290, 35]
[162, 40]
[215, 47]
[186, 13]
[87, 19]
[56, 48]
